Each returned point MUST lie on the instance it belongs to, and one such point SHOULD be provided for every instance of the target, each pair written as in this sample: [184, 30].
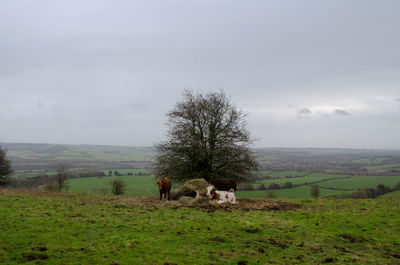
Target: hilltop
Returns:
[107, 230]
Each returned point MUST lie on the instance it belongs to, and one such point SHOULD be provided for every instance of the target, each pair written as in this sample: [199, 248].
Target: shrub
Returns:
[314, 191]
[287, 185]
[118, 186]
[270, 194]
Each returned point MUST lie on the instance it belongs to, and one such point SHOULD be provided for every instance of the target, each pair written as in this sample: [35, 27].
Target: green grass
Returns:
[394, 195]
[94, 230]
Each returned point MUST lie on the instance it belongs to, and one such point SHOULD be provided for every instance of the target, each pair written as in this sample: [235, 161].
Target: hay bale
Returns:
[186, 200]
[193, 202]
[190, 188]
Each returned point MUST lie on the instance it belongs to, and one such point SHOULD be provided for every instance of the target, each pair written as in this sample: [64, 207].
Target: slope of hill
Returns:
[77, 229]
[48, 156]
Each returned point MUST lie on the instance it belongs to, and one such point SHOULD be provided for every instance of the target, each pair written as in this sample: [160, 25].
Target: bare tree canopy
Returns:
[207, 138]
[5, 167]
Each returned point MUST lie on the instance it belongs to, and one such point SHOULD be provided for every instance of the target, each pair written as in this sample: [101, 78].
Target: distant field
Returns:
[300, 180]
[370, 161]
[394, 195]
[282, 174]
[361, 182]
[387, 166]
[80, 152]
[142, 185]
[301, 192]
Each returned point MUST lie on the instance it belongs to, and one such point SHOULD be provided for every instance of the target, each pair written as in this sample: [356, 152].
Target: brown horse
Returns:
[164, 186]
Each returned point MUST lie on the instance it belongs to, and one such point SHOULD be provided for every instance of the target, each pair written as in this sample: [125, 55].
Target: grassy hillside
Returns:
[39, 157]
[71, 229]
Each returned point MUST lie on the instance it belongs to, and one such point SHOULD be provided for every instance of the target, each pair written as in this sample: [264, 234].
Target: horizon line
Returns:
[258, 147]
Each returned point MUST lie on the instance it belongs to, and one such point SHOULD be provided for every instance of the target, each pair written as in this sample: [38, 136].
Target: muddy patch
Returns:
[241, 204]
[33, 256]
[151, 203]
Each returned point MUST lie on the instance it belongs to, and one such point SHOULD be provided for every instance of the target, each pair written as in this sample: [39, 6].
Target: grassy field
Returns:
[370, 161]
[82, 229]
[394, 195]
[361, 182]
[300, 180]
[380, 167]
[142, 185]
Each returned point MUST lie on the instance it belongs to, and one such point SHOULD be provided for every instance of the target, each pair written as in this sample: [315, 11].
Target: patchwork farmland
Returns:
[289, 172]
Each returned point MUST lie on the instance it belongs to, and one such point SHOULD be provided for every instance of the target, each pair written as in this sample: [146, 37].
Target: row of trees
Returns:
[266, 186]
[374, 192]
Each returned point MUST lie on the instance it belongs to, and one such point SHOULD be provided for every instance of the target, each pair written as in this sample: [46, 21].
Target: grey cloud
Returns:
[138, 107]
[342, 112]
[134, 58]
[304, 111]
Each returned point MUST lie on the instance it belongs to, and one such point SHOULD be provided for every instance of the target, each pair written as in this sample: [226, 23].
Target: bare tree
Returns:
[5, 167]
[61, 180]
[207, 138]
[314, 191]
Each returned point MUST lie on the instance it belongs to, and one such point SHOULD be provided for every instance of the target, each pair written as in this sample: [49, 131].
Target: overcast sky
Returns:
[309, 73]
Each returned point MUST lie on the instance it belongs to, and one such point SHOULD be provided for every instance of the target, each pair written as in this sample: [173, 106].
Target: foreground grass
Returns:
[72, 229]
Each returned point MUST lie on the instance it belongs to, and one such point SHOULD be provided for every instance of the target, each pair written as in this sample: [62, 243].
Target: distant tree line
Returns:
[264, 186]
[374, 192]
[117, 173]
[5, 168]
